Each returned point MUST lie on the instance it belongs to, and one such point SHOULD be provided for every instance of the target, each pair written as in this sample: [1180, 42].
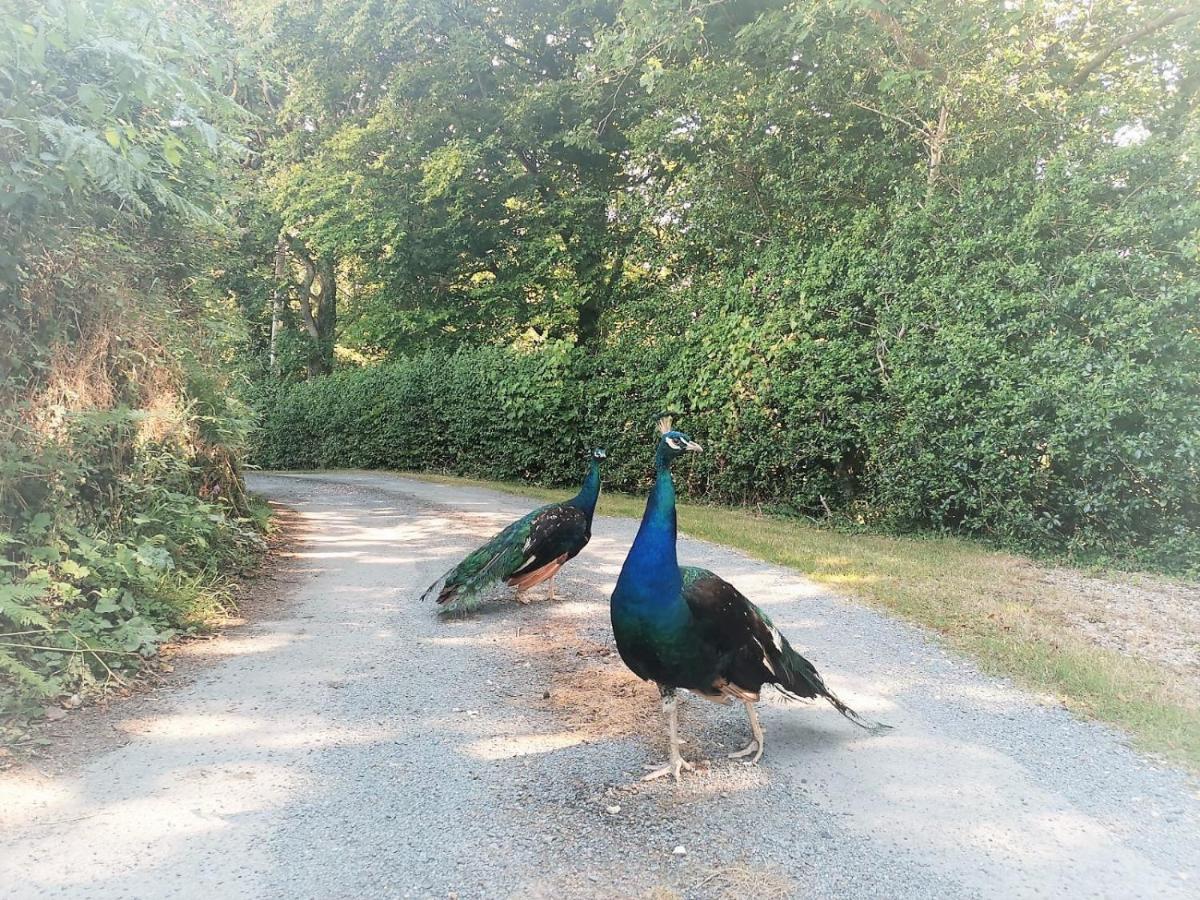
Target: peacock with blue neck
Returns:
[684, 627]
[526, 553]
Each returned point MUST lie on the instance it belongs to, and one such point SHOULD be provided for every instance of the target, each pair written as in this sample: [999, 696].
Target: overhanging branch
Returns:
[1101, 56]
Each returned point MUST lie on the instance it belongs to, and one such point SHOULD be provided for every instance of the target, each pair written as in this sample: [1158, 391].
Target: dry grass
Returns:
[734, 882]
[741, 880]
[590, 688]
[116, 361]
[1014, 616]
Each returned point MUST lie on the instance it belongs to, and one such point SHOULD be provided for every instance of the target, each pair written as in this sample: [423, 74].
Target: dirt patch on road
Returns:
[589, 685]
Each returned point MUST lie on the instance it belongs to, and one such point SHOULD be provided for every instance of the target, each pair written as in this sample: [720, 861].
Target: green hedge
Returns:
[997, 424]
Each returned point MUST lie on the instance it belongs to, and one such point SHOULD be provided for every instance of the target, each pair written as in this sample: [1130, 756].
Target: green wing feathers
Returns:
[466, 585]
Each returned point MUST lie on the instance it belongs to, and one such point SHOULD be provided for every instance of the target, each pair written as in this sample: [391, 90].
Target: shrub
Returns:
[978, 427]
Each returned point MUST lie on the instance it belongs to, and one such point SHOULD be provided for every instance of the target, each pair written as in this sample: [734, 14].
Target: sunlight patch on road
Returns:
[26, 800]
[511, 746]
[1055, 832]
[243, 645]
[127, 834]
[190, 727]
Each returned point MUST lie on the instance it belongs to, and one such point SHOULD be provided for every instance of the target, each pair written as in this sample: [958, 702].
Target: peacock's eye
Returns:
[675, 443]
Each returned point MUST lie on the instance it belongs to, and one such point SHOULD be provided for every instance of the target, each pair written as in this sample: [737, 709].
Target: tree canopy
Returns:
[928, 263]
[917, 264]
[487, 173]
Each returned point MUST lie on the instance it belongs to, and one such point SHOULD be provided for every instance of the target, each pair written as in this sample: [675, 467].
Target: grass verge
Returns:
[997, 607]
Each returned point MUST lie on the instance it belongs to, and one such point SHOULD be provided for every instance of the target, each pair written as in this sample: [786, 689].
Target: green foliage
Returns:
[791, 416]
[121, 503]
[109, 564]
[104, 103]
[447, 153]
[124, 544]
[930, 265]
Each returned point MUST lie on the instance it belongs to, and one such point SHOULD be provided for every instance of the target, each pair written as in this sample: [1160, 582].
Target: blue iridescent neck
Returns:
[590, 492]
[652, 555]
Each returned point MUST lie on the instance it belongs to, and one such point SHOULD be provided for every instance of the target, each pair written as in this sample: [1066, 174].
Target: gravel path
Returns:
[359, 747]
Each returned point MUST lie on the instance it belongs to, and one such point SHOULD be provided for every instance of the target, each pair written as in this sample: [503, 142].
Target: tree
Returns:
[944, 255]
[445, 149]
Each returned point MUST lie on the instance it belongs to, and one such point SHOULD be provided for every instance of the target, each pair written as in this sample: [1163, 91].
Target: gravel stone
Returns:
[357, 746]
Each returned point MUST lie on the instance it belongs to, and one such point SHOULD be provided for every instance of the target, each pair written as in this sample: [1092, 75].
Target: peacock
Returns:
[684, 627]
[529, 551]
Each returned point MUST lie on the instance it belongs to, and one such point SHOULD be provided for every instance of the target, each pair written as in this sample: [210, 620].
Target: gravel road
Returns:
[354, 745]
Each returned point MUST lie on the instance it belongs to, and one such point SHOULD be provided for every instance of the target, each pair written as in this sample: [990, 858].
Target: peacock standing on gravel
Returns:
[529, 551]
[684, 627]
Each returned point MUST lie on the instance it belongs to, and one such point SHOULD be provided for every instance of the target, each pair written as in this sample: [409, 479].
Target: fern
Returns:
[16, 608]
[15, 605]
[31, 682]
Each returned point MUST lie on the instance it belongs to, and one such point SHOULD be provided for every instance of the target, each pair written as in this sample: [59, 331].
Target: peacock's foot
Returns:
[672, 768]
[754, 747]
[522, 599]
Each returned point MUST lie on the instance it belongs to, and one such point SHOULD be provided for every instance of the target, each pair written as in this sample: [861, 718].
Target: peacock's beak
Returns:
[692, 447]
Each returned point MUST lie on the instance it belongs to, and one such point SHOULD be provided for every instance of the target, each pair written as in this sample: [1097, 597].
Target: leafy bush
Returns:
[124, 544]
[121, 502]
[1032, 447]
[926, 265]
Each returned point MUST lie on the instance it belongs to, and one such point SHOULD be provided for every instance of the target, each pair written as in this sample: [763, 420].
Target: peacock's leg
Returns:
[675, 762]
[550, 588]
[756, 744]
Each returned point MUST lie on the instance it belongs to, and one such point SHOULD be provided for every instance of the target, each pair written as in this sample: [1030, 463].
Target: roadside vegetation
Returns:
[929, 266]
[1003, 610]
[122, 509]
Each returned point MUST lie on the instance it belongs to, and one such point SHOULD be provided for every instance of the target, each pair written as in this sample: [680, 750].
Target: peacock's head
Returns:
[598, 454]
[673, 444]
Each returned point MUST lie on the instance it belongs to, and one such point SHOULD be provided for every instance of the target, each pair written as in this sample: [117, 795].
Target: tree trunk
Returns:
[277, 301]
[600, 289]
[320, 288]
[326, 312]
[937, 138]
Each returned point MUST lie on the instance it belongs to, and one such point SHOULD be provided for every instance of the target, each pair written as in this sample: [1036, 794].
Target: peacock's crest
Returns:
[664, 424]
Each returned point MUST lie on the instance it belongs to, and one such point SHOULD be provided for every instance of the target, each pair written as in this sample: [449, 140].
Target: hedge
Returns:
[1009, 434]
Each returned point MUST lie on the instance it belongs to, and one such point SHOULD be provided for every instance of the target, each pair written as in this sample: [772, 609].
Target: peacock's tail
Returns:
[466, 586]
[457, 598]
[799, 678]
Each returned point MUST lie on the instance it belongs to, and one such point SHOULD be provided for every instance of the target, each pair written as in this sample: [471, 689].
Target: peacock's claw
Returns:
[754, 747]
[672, 768]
